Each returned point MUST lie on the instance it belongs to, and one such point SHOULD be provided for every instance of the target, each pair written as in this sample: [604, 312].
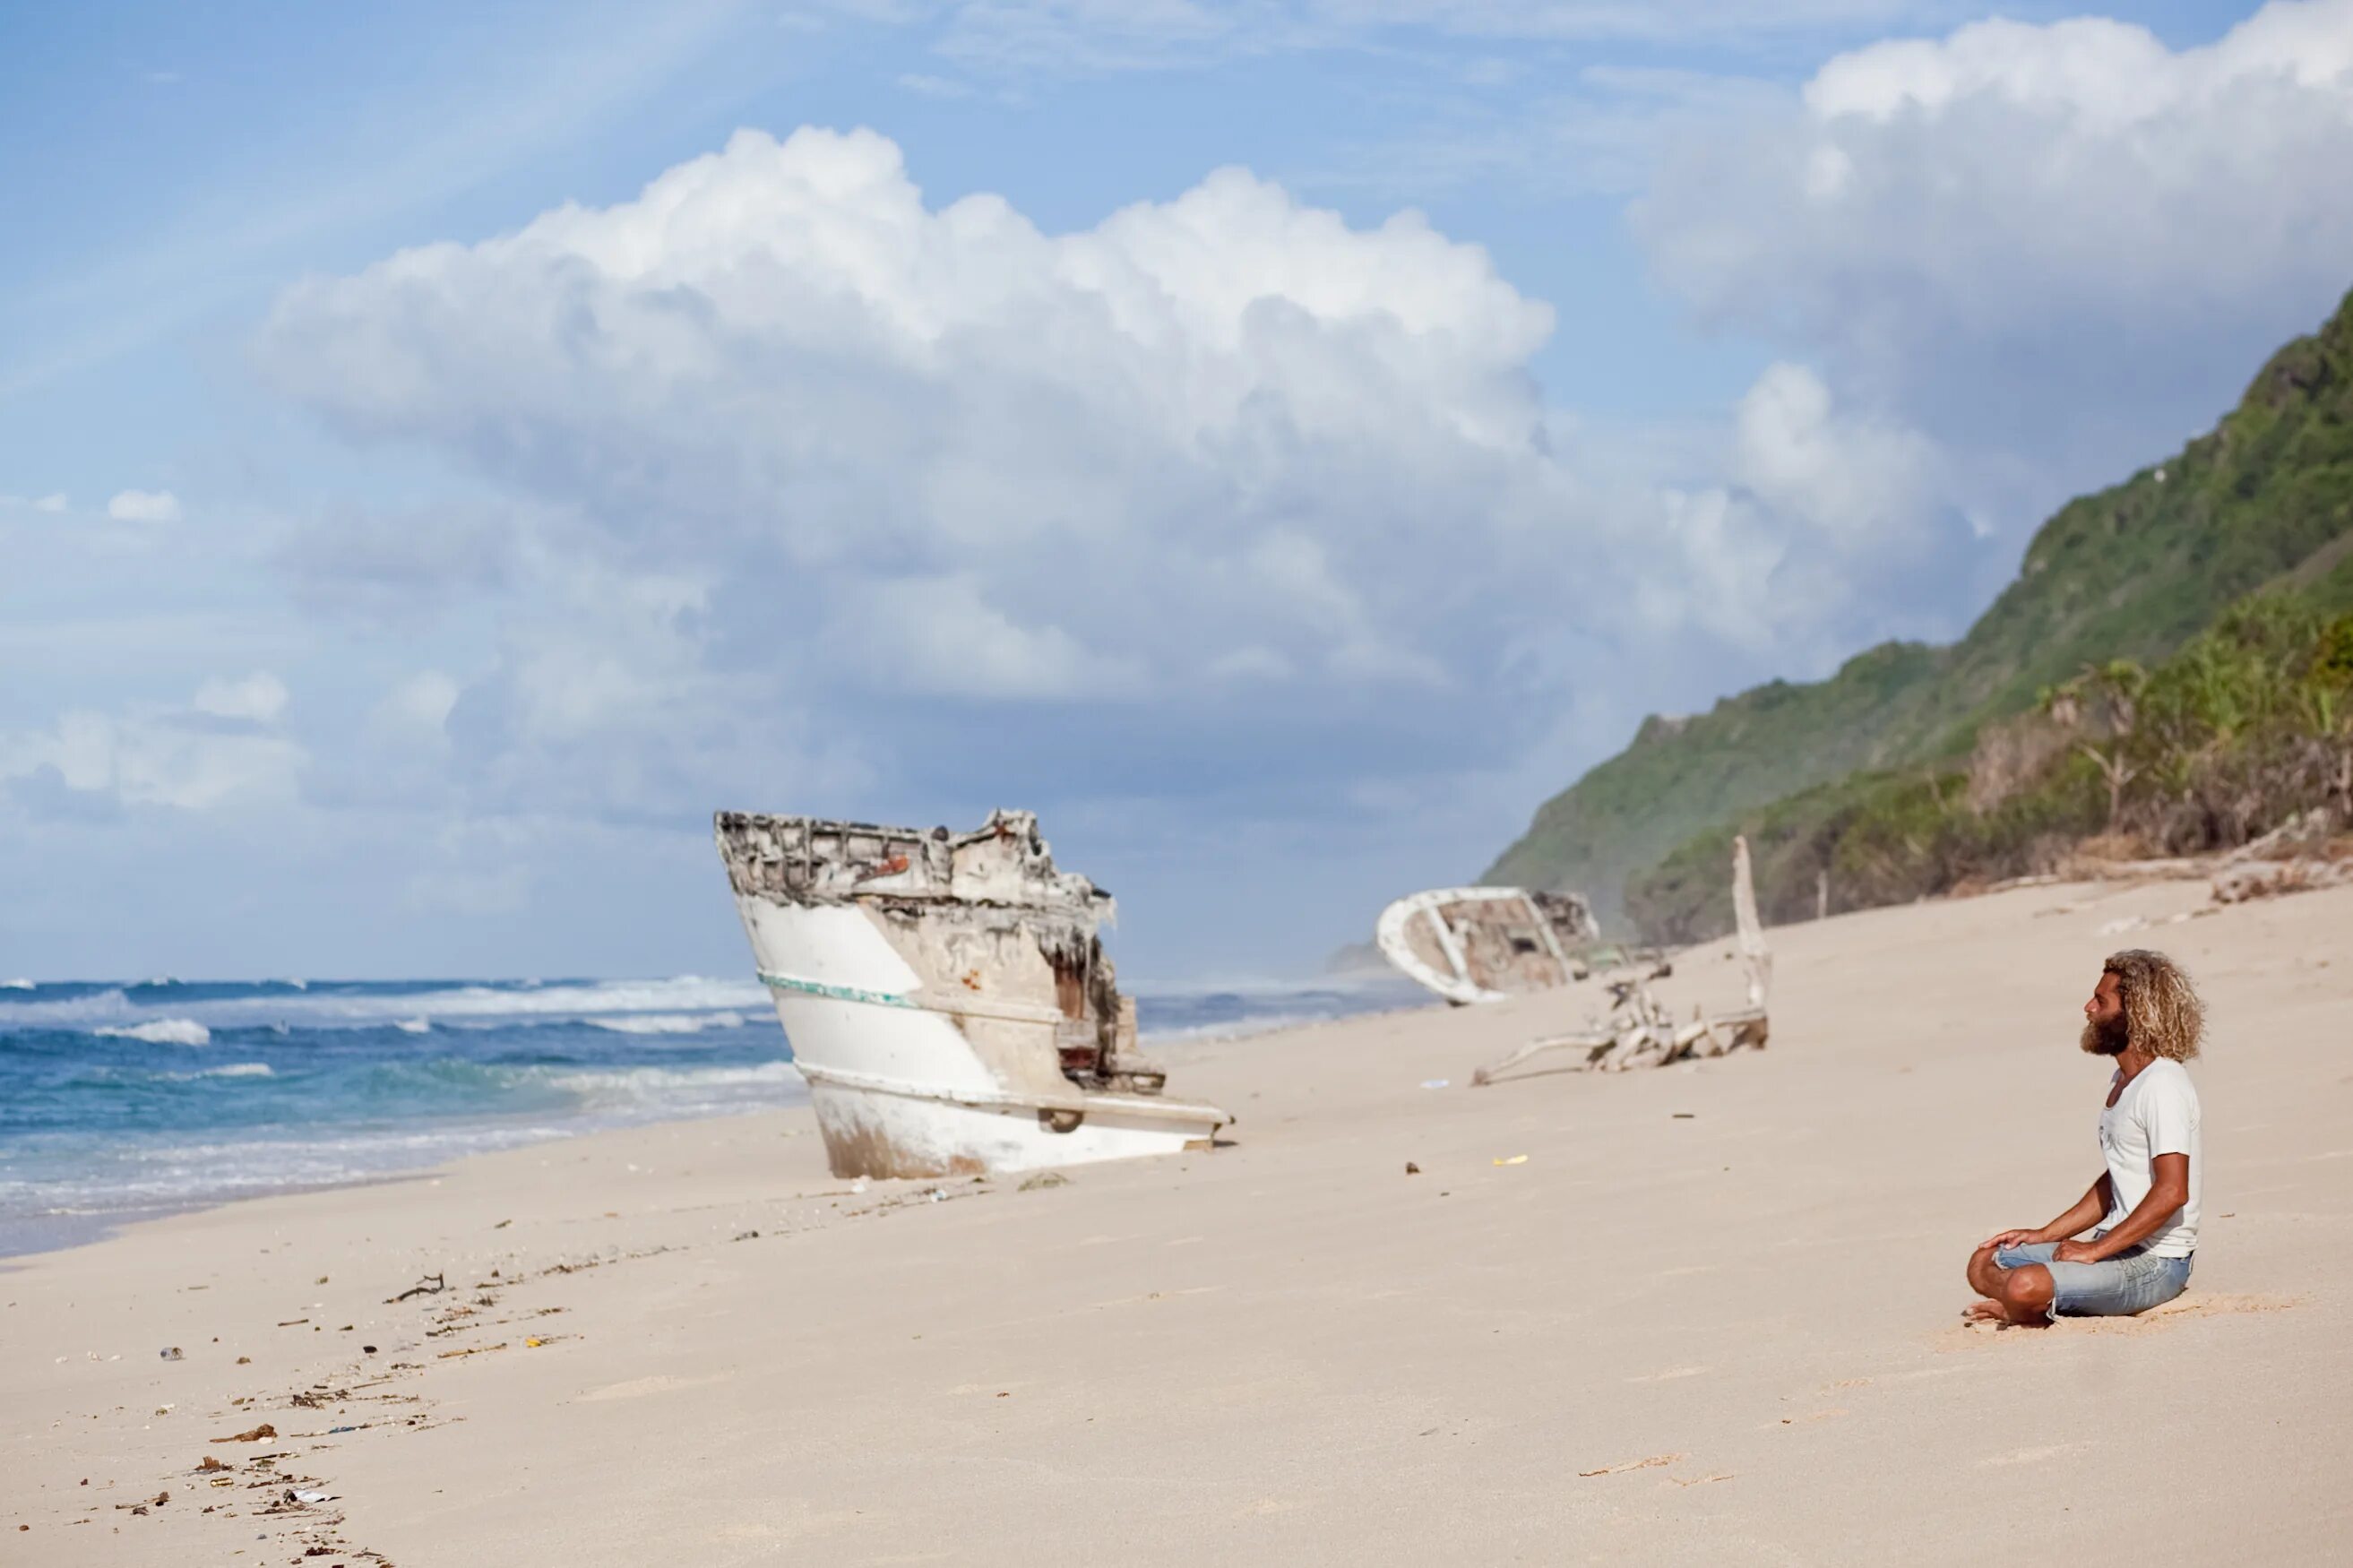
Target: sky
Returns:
[447, 452]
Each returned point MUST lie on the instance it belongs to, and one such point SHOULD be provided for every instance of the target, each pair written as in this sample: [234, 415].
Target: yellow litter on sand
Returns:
[1514, 1160]
[534, 1343]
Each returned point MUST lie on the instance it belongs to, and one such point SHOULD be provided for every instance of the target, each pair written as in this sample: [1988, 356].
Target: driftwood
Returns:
[1639, 1030]
[2269, 878]
[427, 1285]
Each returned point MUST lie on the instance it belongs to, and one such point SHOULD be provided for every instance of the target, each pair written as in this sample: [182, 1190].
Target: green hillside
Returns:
[2133, 572]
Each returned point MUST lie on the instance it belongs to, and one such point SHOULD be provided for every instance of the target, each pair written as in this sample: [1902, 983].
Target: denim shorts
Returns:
[2132, 1281]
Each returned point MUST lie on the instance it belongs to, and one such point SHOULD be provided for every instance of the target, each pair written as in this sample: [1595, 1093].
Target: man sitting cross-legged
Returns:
[2147, 1016]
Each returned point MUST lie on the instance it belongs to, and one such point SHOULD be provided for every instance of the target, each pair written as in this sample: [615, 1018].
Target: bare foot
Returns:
[2003, 1317]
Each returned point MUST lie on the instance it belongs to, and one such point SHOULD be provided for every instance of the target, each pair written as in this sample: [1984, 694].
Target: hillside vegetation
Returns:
[2132, 573]
[2247, 726]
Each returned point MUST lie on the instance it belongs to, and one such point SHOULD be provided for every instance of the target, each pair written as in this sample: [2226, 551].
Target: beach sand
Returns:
[1712, 1317]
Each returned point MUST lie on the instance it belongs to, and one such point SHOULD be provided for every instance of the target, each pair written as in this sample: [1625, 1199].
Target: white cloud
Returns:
[55, 501]
[1864, 479]
[224, 749]
[2066, 242]
[826, 497]
[259, 697]
[419, 704]
[940, 636]
[145, 506]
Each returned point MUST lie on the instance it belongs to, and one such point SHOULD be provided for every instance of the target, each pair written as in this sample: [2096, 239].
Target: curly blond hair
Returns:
[2161, 1005]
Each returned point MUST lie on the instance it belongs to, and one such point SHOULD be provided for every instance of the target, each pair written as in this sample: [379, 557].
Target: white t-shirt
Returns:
[2156, 1115]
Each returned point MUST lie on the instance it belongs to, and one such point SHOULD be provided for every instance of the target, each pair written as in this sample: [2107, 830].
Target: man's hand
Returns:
[2008, 1238]
[2077, 1252]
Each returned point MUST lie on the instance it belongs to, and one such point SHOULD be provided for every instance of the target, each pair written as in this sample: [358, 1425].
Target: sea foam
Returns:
[164, 1031]
[666, 1023]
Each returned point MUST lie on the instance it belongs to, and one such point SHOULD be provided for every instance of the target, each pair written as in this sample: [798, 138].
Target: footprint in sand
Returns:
[1654, 1462]
[2182, 1308]
[1669, 1375]
[638, 1387]
[2034, 1456]
[2157, 1320]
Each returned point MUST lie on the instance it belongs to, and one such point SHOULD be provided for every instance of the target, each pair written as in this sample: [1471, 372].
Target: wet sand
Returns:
[1712, 1317]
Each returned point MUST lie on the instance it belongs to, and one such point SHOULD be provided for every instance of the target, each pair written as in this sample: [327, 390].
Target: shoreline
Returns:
[92, 1212]
[686, 1341]
[84, 1229]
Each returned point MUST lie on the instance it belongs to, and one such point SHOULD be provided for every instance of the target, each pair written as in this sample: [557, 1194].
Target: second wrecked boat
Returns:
[947, 997]
[1638, 1029]
[1482, 945]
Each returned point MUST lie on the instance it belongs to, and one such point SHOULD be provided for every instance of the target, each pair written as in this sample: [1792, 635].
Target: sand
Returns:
[1712, 1317]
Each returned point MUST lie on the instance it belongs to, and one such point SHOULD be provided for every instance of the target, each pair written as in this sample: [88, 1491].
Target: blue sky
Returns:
[447, 452]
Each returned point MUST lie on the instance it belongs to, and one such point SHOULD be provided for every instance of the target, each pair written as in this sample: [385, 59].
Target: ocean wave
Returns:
[174, 1175]
[227, 1069]
[591, 1000]
[331, 1005]
[667, 1023]
[668, 1086]
[414, 1025]
[163, 1032]
[17, 986]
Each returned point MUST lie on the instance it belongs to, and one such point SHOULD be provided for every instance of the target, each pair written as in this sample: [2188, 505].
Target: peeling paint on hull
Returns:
[947, 998]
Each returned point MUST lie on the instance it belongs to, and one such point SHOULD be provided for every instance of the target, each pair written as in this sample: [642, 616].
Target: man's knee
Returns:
[2028, 1286]
[1982, 1266]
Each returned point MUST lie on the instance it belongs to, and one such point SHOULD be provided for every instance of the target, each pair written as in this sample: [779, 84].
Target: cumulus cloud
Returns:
[145, 506]
[2067, 242]
[259, 697]
[1864, 479]
[223, 748]
[791, 441]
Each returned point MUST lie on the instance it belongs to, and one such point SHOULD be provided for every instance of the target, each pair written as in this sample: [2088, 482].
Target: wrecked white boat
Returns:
[1482, 945]
[947, 997]
[1639, 1031]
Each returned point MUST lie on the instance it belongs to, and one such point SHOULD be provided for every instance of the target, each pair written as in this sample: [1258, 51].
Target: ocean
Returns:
[120, 1101]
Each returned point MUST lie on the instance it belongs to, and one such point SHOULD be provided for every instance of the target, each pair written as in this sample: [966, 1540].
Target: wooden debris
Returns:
[427, 1285]
[1638, 1030]
[261, 1434]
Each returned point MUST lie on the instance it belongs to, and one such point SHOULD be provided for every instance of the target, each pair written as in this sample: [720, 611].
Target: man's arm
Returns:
[2082, 1216]
[2169, 1189]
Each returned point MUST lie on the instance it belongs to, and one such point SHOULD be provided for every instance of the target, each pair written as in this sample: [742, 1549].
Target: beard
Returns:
[2109, 1037]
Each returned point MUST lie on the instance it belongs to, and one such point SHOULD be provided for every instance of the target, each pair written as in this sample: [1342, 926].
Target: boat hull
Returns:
[931, 1032]
[1472, 945]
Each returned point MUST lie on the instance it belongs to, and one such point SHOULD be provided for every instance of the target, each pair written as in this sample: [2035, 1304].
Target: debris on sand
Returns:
[1638, 1029]
[261, 1434]
[427, 1285]
[1045, 1179]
